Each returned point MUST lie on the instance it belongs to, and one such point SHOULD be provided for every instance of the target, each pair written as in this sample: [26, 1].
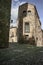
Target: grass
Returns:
[21, 54]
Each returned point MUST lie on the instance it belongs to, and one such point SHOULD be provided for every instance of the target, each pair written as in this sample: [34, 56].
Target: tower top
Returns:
[27, 4]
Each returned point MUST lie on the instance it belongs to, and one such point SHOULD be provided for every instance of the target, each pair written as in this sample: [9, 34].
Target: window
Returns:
[24, 13]
[27, 37]
[29, 12]
[27, 27]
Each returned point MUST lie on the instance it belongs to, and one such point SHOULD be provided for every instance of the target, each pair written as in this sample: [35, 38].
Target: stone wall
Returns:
[30, 18]
[38, 31]
[13, 35]
[34, 22]
[42, 37]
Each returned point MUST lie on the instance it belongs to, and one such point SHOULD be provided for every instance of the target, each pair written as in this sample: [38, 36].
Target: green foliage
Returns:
[5, 6]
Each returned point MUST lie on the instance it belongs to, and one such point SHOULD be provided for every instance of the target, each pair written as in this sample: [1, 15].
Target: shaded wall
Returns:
[5, 8]
[20, 23]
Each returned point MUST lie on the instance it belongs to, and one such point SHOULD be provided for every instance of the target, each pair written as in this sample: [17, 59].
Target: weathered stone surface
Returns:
[28, 13]
[13, 34]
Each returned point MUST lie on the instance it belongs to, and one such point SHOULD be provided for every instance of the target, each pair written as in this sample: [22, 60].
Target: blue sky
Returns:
[16, 3]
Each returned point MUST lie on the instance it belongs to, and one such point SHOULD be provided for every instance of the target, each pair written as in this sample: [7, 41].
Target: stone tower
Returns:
[29, 25]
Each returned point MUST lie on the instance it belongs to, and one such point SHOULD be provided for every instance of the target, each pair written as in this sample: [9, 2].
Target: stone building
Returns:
[13, 34]
[42, 36]
[29, 25]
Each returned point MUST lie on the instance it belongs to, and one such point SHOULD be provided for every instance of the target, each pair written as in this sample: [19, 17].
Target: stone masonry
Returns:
[28, 13]
[29, 25]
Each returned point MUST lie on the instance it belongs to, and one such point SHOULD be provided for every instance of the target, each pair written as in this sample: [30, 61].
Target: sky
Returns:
[16, 3]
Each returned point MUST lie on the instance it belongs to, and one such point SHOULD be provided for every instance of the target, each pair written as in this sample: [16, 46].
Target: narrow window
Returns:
[24, 13]
[27, 27]
[28, 12]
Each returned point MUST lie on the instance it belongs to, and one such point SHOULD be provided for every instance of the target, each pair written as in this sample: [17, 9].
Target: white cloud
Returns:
[16, 0]
[16, 3]
[14, 10]
[42, 25]
[22, 3]
[14, 13]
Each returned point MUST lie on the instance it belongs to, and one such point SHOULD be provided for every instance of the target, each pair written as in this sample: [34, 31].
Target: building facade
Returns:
[29, 25]
[13, 34]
